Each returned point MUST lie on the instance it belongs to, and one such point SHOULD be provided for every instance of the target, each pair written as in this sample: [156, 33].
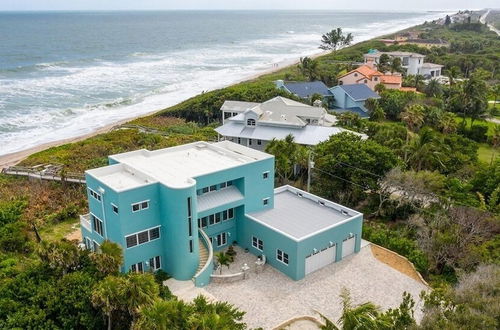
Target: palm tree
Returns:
[141, 289]
[426, 152]
[308, 67]
[109, 295]
[384, 63]
[433, 88]
[335, 39]
[452, 74]
[447, 123]
[218, 315]
[163, 315]
[362, 317]
[471, 98]
[413, 116]
[396, 65]
[223, 259]
[110, 259]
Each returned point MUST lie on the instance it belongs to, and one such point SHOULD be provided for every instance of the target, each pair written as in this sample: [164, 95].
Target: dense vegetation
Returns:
[427, 179]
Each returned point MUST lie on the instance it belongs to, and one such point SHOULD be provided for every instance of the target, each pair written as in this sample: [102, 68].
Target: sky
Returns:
[383, 5]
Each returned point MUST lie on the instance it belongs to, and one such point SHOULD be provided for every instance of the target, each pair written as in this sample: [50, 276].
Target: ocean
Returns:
[67, 74]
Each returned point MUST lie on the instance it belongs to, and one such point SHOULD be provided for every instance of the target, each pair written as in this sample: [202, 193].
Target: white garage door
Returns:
[348, 246]
[320, 259]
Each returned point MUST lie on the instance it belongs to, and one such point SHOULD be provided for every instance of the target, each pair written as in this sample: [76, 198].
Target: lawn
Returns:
[486, 153]
[58, 231]
[491, 125]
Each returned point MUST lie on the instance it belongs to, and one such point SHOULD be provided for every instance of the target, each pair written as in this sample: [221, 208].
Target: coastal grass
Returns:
[487, 153]
[58, 231]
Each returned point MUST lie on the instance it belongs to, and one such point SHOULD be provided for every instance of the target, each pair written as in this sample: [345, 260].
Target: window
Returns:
[204, 222]
[230, 213]
[366, 81]
[221, 239]
[257, 243]
[95, 195]
[213, 188]
[191, 246]
[223, 185]
[249, 142]
[211, 219]
[115, 208]
[282, 256]
[154, 263]
[376, 79]
[142, 237]
[235, 114]
[137, 268]
[224, 215]
[259, 142]
[239, 140]
[190, 225]
[265, 175]
[98, 224]
[341, 82]
[265, 201]
[204, 190]
[250, 122]
[88, 243]
[154, 233]
[229, 183]
[140, 206]
[217, 217]
[189, 206]
[227, 115]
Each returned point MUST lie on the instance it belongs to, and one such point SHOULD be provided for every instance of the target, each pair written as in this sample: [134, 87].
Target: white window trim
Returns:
[223, 233]
[257, 247]
[93, 246]
[155, 266]
[112, 208]
[282, 257]
[97, 199]
[140, 206]
[230, 217]
[265, 199]
[92, 224]
[136, 233]
[268, 172]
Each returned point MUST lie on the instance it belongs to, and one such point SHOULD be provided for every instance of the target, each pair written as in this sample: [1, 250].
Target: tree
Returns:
[433, 88]
[223, 259]
[335, 39]
[384, 63]
[109, 296]
[287, 154]
[63, 256]
[396, 65]
[110, 258]
[495, 91]
[452, 74]
[447, 123]
[447, 21]
[426, 151]
[308, 67]
[413, 116]
[141, 289]
[469, 98]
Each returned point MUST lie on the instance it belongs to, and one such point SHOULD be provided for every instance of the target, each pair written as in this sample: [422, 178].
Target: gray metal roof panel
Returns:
[220, 197]
[307, 89]
[359, 92]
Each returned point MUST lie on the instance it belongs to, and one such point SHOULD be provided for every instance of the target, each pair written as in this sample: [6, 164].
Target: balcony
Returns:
[218, 198]
[85, 221]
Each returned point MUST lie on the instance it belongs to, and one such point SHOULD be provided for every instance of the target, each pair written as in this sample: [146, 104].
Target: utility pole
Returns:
[310, 166]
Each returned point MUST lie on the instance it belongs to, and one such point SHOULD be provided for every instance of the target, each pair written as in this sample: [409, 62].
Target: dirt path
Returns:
[396, 261]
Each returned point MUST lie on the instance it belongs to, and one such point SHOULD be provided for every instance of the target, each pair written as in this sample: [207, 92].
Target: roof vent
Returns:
[321, 203]
[344, 212]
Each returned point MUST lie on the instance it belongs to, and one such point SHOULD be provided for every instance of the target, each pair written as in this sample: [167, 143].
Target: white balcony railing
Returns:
[85, 221]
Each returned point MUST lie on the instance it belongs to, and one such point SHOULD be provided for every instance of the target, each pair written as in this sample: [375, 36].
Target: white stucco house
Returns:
[413, 63]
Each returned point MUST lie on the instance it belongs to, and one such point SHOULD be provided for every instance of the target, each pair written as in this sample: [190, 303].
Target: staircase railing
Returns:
[202, 277]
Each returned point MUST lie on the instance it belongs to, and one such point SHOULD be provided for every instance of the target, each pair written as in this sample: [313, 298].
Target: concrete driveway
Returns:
[270, 298]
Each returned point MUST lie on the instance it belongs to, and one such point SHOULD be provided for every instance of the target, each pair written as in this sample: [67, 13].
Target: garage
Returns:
[348, 246]
[320, 259]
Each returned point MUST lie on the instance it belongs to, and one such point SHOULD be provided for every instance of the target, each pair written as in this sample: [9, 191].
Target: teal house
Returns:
[170, 209]
[352, 98]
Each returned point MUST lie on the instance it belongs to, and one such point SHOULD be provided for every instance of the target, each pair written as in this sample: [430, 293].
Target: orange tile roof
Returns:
[365, 70]
[391, 79]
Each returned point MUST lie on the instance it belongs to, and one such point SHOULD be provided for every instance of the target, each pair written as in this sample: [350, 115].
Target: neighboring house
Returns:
[413, 63]
[305, 90]
[170, 209]
[370, 77]
[352, 98]
[276, 118]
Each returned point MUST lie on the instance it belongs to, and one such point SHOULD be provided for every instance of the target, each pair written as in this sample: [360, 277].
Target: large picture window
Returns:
[142, 237]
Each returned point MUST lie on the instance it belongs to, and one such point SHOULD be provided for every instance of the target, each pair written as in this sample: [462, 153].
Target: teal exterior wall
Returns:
[343, 101]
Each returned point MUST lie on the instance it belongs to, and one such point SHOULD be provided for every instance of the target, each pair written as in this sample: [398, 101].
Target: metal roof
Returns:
[299, 215]
[358, 92]
[355, 110]
[307, 89]
[216, 198]
[307, 135]
[237, 106]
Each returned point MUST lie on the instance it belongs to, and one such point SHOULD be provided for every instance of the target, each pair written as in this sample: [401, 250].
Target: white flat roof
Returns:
[175, 167]
[299, 215]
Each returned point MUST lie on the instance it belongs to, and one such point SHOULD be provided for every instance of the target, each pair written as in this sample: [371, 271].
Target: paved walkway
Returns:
[270, 298]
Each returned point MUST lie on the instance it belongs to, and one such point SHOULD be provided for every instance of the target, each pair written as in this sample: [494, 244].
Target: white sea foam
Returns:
[149, 82]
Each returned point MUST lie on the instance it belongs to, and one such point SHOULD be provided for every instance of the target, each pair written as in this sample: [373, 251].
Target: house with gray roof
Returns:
[306, 89]
[352, 98]
[254, 125]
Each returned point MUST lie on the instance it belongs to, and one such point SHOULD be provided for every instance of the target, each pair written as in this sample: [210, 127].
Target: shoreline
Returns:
[12, 159]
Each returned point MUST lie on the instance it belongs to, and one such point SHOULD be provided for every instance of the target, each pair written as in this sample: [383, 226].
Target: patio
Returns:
[270, 298]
